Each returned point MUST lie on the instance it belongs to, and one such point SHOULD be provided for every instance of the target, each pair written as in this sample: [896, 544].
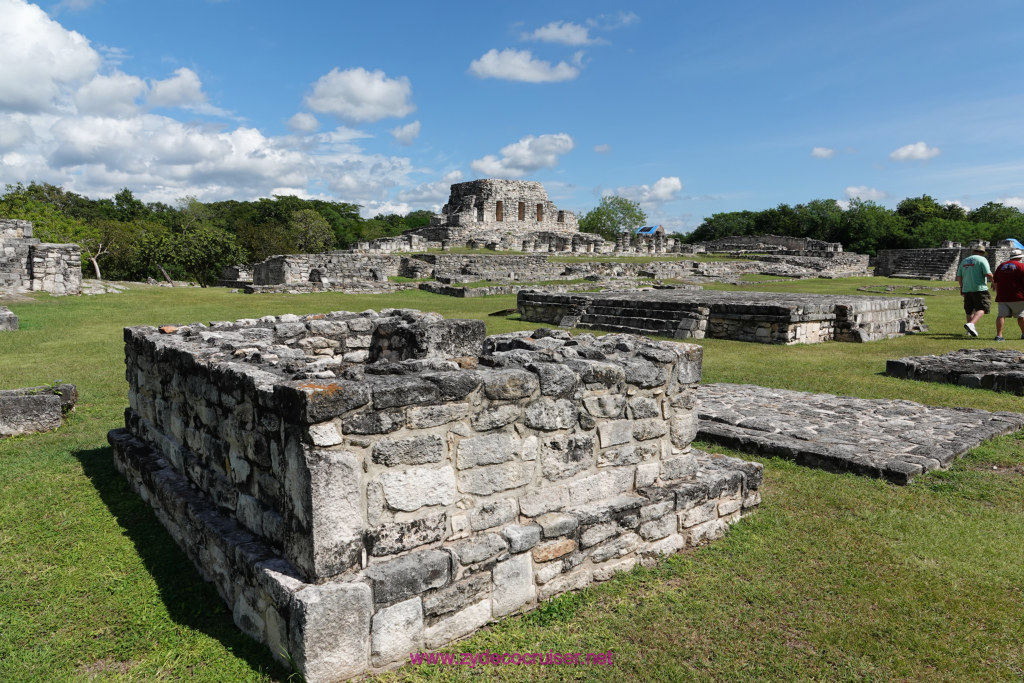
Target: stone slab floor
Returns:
[891, 439]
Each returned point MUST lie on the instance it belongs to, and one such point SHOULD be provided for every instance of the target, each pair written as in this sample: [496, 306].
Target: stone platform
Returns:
[362, 486]
[767, 317]
[894, 440]
[995, 369]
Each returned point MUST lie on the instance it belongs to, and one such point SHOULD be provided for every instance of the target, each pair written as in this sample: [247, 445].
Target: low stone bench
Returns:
[35, 409]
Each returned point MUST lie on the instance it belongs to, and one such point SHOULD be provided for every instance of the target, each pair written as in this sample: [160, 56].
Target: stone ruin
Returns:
[767, 317]
[28, 265]
[994, 369]
[363, 486]
[759, 244]
[936, 264]
[35, 409]
[8, 321]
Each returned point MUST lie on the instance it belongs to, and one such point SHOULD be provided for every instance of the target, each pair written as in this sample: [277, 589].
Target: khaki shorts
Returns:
[977, 301]
[1011, 309]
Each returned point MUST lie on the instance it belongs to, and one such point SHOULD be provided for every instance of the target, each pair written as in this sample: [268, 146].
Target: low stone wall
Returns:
[363, 486]
[333, 269]
[28, 265]
[766, 317]
[753, 243]
[35, 409]
[8, 321]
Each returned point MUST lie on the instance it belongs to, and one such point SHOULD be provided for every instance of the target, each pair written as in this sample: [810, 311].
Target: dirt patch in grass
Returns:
[103, 667]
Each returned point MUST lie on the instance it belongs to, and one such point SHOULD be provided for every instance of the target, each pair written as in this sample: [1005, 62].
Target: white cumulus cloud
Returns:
[39, 58]
[113, 95]
[918, 151]
[405, 135]
[303, 122]
[865, 192]
[823, 152]
[525, 156]
[564, 32]
[361, 95]
[521, 65]
[183, 89]
[1015, 202]
[431, 195]
[665, 189]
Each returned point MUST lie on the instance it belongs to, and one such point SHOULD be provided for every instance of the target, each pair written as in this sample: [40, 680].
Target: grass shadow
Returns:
[190, 601]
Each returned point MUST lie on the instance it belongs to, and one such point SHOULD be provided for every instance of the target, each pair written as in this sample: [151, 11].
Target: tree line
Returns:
[123, 238]
[865, 227]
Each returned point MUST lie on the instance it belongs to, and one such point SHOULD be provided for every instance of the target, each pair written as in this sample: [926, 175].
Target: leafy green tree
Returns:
[612, 217]
[868, 227]
[917, 210]
[201, 252]
[309, 231]
[721, 225]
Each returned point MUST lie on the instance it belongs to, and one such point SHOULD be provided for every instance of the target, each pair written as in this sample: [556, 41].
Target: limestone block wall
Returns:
[329, 268]
[363, 486]
[28, 265]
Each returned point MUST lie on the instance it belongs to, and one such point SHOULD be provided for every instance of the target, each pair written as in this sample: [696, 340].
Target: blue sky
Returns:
[691, 108]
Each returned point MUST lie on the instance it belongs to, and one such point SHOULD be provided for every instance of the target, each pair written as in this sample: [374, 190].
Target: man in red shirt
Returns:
[1009, 281]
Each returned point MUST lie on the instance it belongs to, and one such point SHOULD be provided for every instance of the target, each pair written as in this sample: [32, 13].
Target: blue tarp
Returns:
[647, 230]
[1016, 244]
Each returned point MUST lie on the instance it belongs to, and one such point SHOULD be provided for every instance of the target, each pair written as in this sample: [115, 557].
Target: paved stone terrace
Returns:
[894, 440]
[995, 369]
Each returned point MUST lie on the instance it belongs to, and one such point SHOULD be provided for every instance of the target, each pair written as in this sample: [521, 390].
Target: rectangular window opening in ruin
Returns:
[480, 214]
[499, 211]
[522, 211]
[540, 213]
[561, 216]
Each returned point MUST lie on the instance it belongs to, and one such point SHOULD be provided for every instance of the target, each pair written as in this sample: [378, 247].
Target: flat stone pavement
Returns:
[995, 369]
[894, 440]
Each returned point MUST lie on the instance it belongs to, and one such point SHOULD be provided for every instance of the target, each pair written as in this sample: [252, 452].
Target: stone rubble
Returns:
[893, 440]
[35, 409]
[995, 369]
[359, 486]
[8, 321]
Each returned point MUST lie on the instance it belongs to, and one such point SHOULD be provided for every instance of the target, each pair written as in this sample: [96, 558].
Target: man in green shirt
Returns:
[974, 274]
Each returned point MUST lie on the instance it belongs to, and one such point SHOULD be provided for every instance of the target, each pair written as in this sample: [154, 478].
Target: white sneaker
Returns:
[970, 329]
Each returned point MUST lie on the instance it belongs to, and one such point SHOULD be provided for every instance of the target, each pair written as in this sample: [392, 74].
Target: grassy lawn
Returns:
[835, 577]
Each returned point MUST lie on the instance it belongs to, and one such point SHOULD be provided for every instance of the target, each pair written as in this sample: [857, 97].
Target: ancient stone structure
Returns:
[35, 409]
[893, 440]
[502, 207]
[363, 486]
[935, 264]
[767, 317]
[995, 369]
[8, 321]
[770, 243]
[28, 265]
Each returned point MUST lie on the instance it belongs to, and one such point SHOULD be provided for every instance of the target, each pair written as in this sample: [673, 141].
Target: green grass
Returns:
[835, 577]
